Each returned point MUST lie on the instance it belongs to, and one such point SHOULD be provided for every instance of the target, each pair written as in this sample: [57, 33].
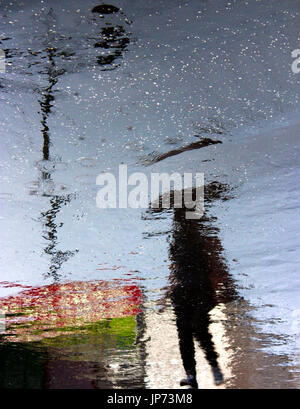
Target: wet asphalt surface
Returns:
[137, 298]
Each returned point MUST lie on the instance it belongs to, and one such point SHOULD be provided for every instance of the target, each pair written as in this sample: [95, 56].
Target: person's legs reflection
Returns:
[193, 323]
[204, 337]
[186, 346]
[199, 280]
[195, 255]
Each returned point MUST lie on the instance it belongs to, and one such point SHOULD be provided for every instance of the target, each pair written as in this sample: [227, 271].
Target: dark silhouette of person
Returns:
[199, 280]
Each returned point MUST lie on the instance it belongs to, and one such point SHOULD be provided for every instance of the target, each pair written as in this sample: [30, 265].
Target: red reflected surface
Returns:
[70, 304]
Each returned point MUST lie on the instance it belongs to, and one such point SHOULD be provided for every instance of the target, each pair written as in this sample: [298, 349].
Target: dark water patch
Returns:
[115, 40]
[108, 59]
[113, 36]
[21, 367]
[218, 191]
[103, 356]
[105, 9]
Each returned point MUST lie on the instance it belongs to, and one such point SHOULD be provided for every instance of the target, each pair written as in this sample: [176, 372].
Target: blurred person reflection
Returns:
[199, 280]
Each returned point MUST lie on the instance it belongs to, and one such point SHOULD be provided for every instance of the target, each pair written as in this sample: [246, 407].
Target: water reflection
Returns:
[78, 334]
[204, 332]
[105, 9]
[199, 281]
[58, 257]
[197, 274]
[111, 349]
[73, 335]
[113, 38]
[105, 357]
[55, 55]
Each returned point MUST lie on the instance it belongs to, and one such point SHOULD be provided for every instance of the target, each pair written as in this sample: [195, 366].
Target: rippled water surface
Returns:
[134, 298]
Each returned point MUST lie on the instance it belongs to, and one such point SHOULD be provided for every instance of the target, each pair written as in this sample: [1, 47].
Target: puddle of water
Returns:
[172, 302]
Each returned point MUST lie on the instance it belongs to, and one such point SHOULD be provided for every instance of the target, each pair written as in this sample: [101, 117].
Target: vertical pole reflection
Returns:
[56, 201]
